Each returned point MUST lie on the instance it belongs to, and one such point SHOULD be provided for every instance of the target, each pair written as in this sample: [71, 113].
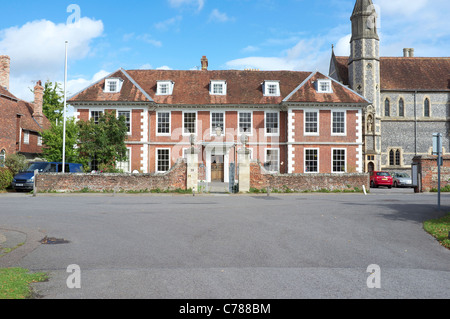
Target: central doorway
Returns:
[217, 168]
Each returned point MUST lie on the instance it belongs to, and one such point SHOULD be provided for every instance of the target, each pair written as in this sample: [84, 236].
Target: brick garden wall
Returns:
[260, 179]
[428, 170]
[172, 180]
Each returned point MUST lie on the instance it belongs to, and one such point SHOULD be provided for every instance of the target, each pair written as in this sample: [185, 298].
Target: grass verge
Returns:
[15, 283]
[439, 229]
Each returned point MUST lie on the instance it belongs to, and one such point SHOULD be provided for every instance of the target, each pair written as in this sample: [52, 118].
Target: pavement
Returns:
[16, 244]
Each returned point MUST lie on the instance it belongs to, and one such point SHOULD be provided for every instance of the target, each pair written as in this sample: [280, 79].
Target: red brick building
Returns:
[20, 122]
[296, 122]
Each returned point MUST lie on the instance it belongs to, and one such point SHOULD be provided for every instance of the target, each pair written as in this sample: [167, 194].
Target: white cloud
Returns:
[37, 50]
[249, 49]
[40, 45]
[164, 67]
[217, 16]
[165, 25]
[301, 57]
[181, 3]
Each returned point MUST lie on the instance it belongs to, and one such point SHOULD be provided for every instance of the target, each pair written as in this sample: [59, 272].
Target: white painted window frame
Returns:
[170, 123]
[332, 160]
[157, 159]
[304, 122]
[345, 122]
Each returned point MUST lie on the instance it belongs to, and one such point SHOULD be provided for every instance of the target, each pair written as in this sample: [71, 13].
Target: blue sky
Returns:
[175, 34]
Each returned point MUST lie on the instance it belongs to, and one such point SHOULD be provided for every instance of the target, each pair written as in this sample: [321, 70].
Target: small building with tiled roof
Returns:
[296, 122]
[409, 96]
[21, 122]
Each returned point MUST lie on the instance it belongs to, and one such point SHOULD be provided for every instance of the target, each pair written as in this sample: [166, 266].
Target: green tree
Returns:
[104, 141]
[53, 102]
[53, 142]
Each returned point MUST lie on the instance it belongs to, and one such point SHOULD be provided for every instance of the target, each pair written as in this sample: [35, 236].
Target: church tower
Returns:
[364, 76]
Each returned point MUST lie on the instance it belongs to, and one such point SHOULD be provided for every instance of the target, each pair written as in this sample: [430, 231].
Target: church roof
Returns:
[411, 73]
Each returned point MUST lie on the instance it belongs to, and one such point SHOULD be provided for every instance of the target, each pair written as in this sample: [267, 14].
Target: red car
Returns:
[378, 178]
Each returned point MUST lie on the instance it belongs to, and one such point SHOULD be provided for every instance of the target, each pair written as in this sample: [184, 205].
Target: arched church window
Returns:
[387, 108]
[391, 158]
[426, 108]
[397, 157]
[401, 108]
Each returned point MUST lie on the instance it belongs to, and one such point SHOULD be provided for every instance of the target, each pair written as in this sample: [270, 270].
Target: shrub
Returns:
[16, 163]
[6, 177]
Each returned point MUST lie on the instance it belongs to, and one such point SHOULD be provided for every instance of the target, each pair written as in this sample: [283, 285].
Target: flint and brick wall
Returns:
[172, 180]
[428, 172]
[260, 179]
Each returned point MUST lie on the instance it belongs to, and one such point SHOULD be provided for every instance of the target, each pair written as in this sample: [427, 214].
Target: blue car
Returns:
[25, 180]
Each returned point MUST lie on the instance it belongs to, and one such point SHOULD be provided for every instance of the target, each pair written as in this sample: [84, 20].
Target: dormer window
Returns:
[218, 88]
[165, 88]
[324, 86]
[271, 88]
[113, 85]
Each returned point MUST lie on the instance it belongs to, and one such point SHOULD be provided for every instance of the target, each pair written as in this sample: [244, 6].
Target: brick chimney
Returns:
[38, 103]
[4, 71]
[204, 61]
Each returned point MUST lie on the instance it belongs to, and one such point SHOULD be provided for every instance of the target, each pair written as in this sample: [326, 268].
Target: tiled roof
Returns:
[192, 87]
[128, 93]
[399, 73]
[307, 92]
[11, 106]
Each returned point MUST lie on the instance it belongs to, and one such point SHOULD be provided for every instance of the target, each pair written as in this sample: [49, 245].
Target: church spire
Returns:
[364, 20]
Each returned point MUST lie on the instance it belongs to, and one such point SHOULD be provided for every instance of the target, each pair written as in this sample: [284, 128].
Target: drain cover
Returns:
[53, 241]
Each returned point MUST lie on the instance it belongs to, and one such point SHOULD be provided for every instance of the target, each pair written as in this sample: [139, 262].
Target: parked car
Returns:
[402, 180]
[379, 178]
[24, 180]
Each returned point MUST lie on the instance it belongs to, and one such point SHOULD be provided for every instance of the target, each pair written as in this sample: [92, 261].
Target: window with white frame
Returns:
[95, 116]
[125, 166]
[164, 88]
[272, 88]
[324, 86]
[218, 88]
[272, 123]
[113, 85]
[245, 122]
[311, 160]
[127, 117]
[311, 122]
[217, 121]
[162, 160]
[26, 137]
[338, 122]
[163, 125]
[272, 160]
[339, 161]
[190, 122]
[39, 140]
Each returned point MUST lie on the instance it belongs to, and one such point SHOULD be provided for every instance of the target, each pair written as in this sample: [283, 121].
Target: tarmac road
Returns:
[231, 247]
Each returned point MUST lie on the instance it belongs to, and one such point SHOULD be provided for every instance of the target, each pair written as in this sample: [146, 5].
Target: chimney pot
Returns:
[4, 71]
[204, 61]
